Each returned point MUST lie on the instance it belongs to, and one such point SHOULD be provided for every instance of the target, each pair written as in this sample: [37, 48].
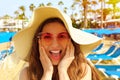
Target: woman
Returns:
[54, 49]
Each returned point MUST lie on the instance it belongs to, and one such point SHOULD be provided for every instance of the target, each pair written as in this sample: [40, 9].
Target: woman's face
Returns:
[54, 38]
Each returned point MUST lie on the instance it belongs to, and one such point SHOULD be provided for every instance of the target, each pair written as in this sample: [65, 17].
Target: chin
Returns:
[55, 63]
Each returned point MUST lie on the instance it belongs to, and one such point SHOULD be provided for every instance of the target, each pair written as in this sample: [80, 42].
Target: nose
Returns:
[55, 43]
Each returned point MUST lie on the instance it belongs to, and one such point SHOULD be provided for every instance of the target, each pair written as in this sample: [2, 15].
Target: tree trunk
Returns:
[85, 13]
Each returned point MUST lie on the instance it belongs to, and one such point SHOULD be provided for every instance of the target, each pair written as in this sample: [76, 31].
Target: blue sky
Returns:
[10, 6]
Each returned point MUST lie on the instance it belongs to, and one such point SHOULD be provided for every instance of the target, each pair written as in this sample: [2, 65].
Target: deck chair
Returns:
[11, 50]
[3, 54]
[108, 67]
[8, 51]
[110, 70]
[11, 67]
[114, 74]
[98, 48]
[114, 56]
[108, 52]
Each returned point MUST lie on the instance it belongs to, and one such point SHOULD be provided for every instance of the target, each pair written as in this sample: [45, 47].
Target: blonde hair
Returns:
[75, 70]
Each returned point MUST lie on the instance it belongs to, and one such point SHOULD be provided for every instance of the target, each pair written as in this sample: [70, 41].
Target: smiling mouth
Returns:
[55, 54]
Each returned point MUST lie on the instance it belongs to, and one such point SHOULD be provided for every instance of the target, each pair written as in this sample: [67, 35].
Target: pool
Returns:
[6, 36]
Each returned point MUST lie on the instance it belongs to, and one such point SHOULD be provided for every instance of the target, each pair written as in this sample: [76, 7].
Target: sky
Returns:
[10, 6]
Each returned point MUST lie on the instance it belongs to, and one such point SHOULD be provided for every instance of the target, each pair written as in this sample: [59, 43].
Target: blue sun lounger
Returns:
[110, 70]
[114, 56]
[98, 48]
[6, 52]
[11, 50]
[3, 54]
[108, 52]
[108, 67]
[114, 74]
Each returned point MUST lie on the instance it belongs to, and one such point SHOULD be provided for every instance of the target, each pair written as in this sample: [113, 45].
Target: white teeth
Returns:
[55, 51]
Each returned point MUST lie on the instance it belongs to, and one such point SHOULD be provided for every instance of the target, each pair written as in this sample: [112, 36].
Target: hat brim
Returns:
[23, 39]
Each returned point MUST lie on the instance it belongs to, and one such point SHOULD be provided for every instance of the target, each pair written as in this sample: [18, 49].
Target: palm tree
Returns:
[32, 7]
[106, 11]
[16, 13]
[113, 2]
[49, 4]
[22, 16]
[22, 8]
[85, 4]
[41, 5]
[102, 1]
[60, 3]
[65, 9]
[74, 14]
[73, 8]
[94, 3]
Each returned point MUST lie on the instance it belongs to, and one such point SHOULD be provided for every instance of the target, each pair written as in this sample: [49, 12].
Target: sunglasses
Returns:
[48, 37]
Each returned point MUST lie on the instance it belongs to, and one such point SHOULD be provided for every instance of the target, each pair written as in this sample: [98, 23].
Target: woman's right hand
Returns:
[46, 63]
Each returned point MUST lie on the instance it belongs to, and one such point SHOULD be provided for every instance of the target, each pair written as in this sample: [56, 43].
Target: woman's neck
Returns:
[55, 73]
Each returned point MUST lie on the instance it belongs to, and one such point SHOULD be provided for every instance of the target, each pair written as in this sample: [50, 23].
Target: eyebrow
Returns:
[63, 33]
[51, 33]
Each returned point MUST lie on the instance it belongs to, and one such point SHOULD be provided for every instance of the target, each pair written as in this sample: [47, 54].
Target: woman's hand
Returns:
[68, 58]
[66, 61]
[46, 63]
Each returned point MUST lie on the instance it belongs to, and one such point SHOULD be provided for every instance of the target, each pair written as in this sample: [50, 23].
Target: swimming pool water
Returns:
[6, 36]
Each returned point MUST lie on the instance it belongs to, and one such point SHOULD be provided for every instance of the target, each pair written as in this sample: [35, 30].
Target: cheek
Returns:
[64, 46]
[41, 44]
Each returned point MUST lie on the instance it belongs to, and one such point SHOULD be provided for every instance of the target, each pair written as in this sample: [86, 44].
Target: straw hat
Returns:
[23, 39]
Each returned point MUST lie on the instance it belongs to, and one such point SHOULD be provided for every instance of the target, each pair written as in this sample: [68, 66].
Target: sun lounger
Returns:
[108, 67]
[3, 54]
[11, 50]
[108, 52]
[114, 56]
[98, 48]
[112, 71]
[11, 67]
[114, 74]
[6, 52]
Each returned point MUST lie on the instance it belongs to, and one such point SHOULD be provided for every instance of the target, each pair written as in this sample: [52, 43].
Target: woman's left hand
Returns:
[65, 62]
[68, 58]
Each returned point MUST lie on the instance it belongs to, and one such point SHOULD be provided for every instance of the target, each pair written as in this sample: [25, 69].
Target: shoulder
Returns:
[23, 74]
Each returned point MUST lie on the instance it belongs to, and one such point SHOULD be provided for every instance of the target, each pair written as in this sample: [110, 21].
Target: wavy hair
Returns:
[75, 71]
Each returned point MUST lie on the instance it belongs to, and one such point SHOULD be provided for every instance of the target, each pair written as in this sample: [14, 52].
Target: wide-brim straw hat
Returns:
[23, 39]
